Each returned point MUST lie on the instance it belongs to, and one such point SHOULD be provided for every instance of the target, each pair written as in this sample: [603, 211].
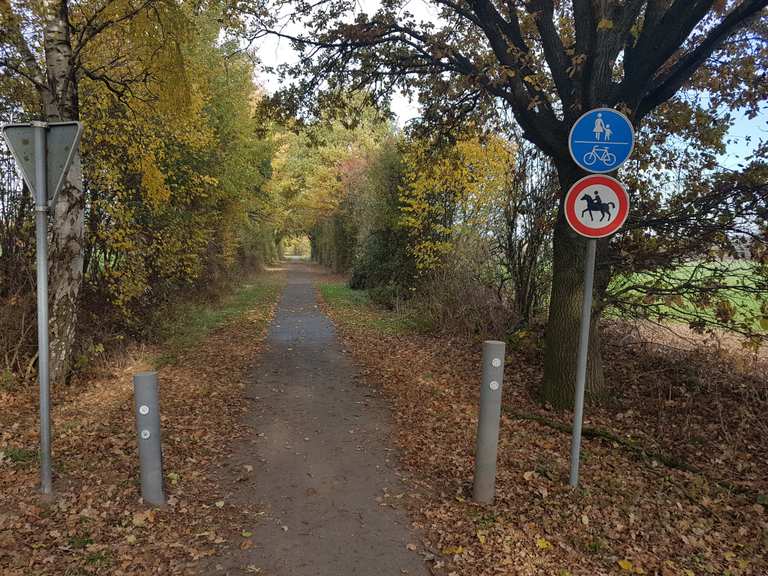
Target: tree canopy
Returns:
[543, 63]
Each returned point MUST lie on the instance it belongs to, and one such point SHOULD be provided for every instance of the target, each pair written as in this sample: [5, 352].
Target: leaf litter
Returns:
[97, 523]
[631, 514]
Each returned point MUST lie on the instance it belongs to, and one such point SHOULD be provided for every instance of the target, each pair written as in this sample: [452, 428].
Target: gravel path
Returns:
[321, 457]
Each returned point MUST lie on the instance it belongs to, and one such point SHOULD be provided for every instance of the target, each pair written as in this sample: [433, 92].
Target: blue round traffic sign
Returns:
[601, 140]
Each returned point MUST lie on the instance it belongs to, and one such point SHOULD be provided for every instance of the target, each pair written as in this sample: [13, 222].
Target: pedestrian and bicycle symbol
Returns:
[596, 206]
[601, 140]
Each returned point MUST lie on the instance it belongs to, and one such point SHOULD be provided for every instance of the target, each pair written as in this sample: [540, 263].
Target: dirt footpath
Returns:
[321, 459]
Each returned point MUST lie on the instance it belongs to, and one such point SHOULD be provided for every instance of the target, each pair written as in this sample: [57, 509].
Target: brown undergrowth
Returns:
[632, 514]
[97, 524]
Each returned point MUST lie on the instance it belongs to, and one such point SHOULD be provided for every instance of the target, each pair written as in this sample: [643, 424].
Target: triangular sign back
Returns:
[61, 143]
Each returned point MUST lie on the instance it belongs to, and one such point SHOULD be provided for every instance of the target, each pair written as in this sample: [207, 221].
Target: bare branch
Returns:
[16, 38]
[670, 82]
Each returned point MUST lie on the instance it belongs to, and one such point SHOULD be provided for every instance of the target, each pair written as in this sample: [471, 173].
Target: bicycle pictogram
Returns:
[600, 153]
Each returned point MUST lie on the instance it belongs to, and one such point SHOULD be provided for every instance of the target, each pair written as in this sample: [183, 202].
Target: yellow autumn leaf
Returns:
[625, 565]
[605, 24]
[543, 544]
[453, 550]
[138, 519]
[481, 536]
[246, 545]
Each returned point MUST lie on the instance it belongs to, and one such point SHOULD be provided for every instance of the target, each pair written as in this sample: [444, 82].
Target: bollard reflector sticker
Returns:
[496, 362]
[145, 434]
[494, 385]
[144, 410]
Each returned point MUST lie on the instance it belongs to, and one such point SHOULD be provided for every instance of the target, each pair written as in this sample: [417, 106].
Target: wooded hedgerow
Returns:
[190, 173]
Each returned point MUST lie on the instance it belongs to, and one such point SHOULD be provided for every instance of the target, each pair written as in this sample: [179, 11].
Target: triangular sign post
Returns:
[61, 143]
[43, 153]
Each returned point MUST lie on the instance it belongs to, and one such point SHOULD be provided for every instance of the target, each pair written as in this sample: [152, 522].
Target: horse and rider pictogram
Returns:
[597, 205]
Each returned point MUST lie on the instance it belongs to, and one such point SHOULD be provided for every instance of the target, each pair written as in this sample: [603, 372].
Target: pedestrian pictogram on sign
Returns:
[596, 206]
[601, 140]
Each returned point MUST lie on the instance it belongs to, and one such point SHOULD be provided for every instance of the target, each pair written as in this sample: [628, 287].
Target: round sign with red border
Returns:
[596, 206]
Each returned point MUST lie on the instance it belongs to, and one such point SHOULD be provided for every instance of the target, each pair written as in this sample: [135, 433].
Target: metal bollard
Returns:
[488, 422]
[147, 406]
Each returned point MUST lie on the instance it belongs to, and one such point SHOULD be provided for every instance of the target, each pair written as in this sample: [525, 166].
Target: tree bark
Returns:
[562, 336]
[68, 221]
[66, 270]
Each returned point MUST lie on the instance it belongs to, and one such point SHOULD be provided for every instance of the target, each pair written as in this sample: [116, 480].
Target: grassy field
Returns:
[734, 288]
[356, 309]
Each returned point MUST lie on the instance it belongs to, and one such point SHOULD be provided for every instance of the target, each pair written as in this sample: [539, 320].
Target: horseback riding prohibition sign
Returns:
[596, 206]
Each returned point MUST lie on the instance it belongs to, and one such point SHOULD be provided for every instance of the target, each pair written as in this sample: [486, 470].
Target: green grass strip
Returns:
[355, 308]
[194, 321]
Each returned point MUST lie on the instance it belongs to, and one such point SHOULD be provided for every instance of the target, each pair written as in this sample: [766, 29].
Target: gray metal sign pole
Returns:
[581, 364]
[41, 229]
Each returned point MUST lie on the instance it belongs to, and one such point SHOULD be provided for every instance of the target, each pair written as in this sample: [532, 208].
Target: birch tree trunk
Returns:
[46, 58]
[67, 223]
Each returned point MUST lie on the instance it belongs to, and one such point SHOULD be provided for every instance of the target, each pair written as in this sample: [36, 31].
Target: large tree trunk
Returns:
[68, 224]
[562, 337]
